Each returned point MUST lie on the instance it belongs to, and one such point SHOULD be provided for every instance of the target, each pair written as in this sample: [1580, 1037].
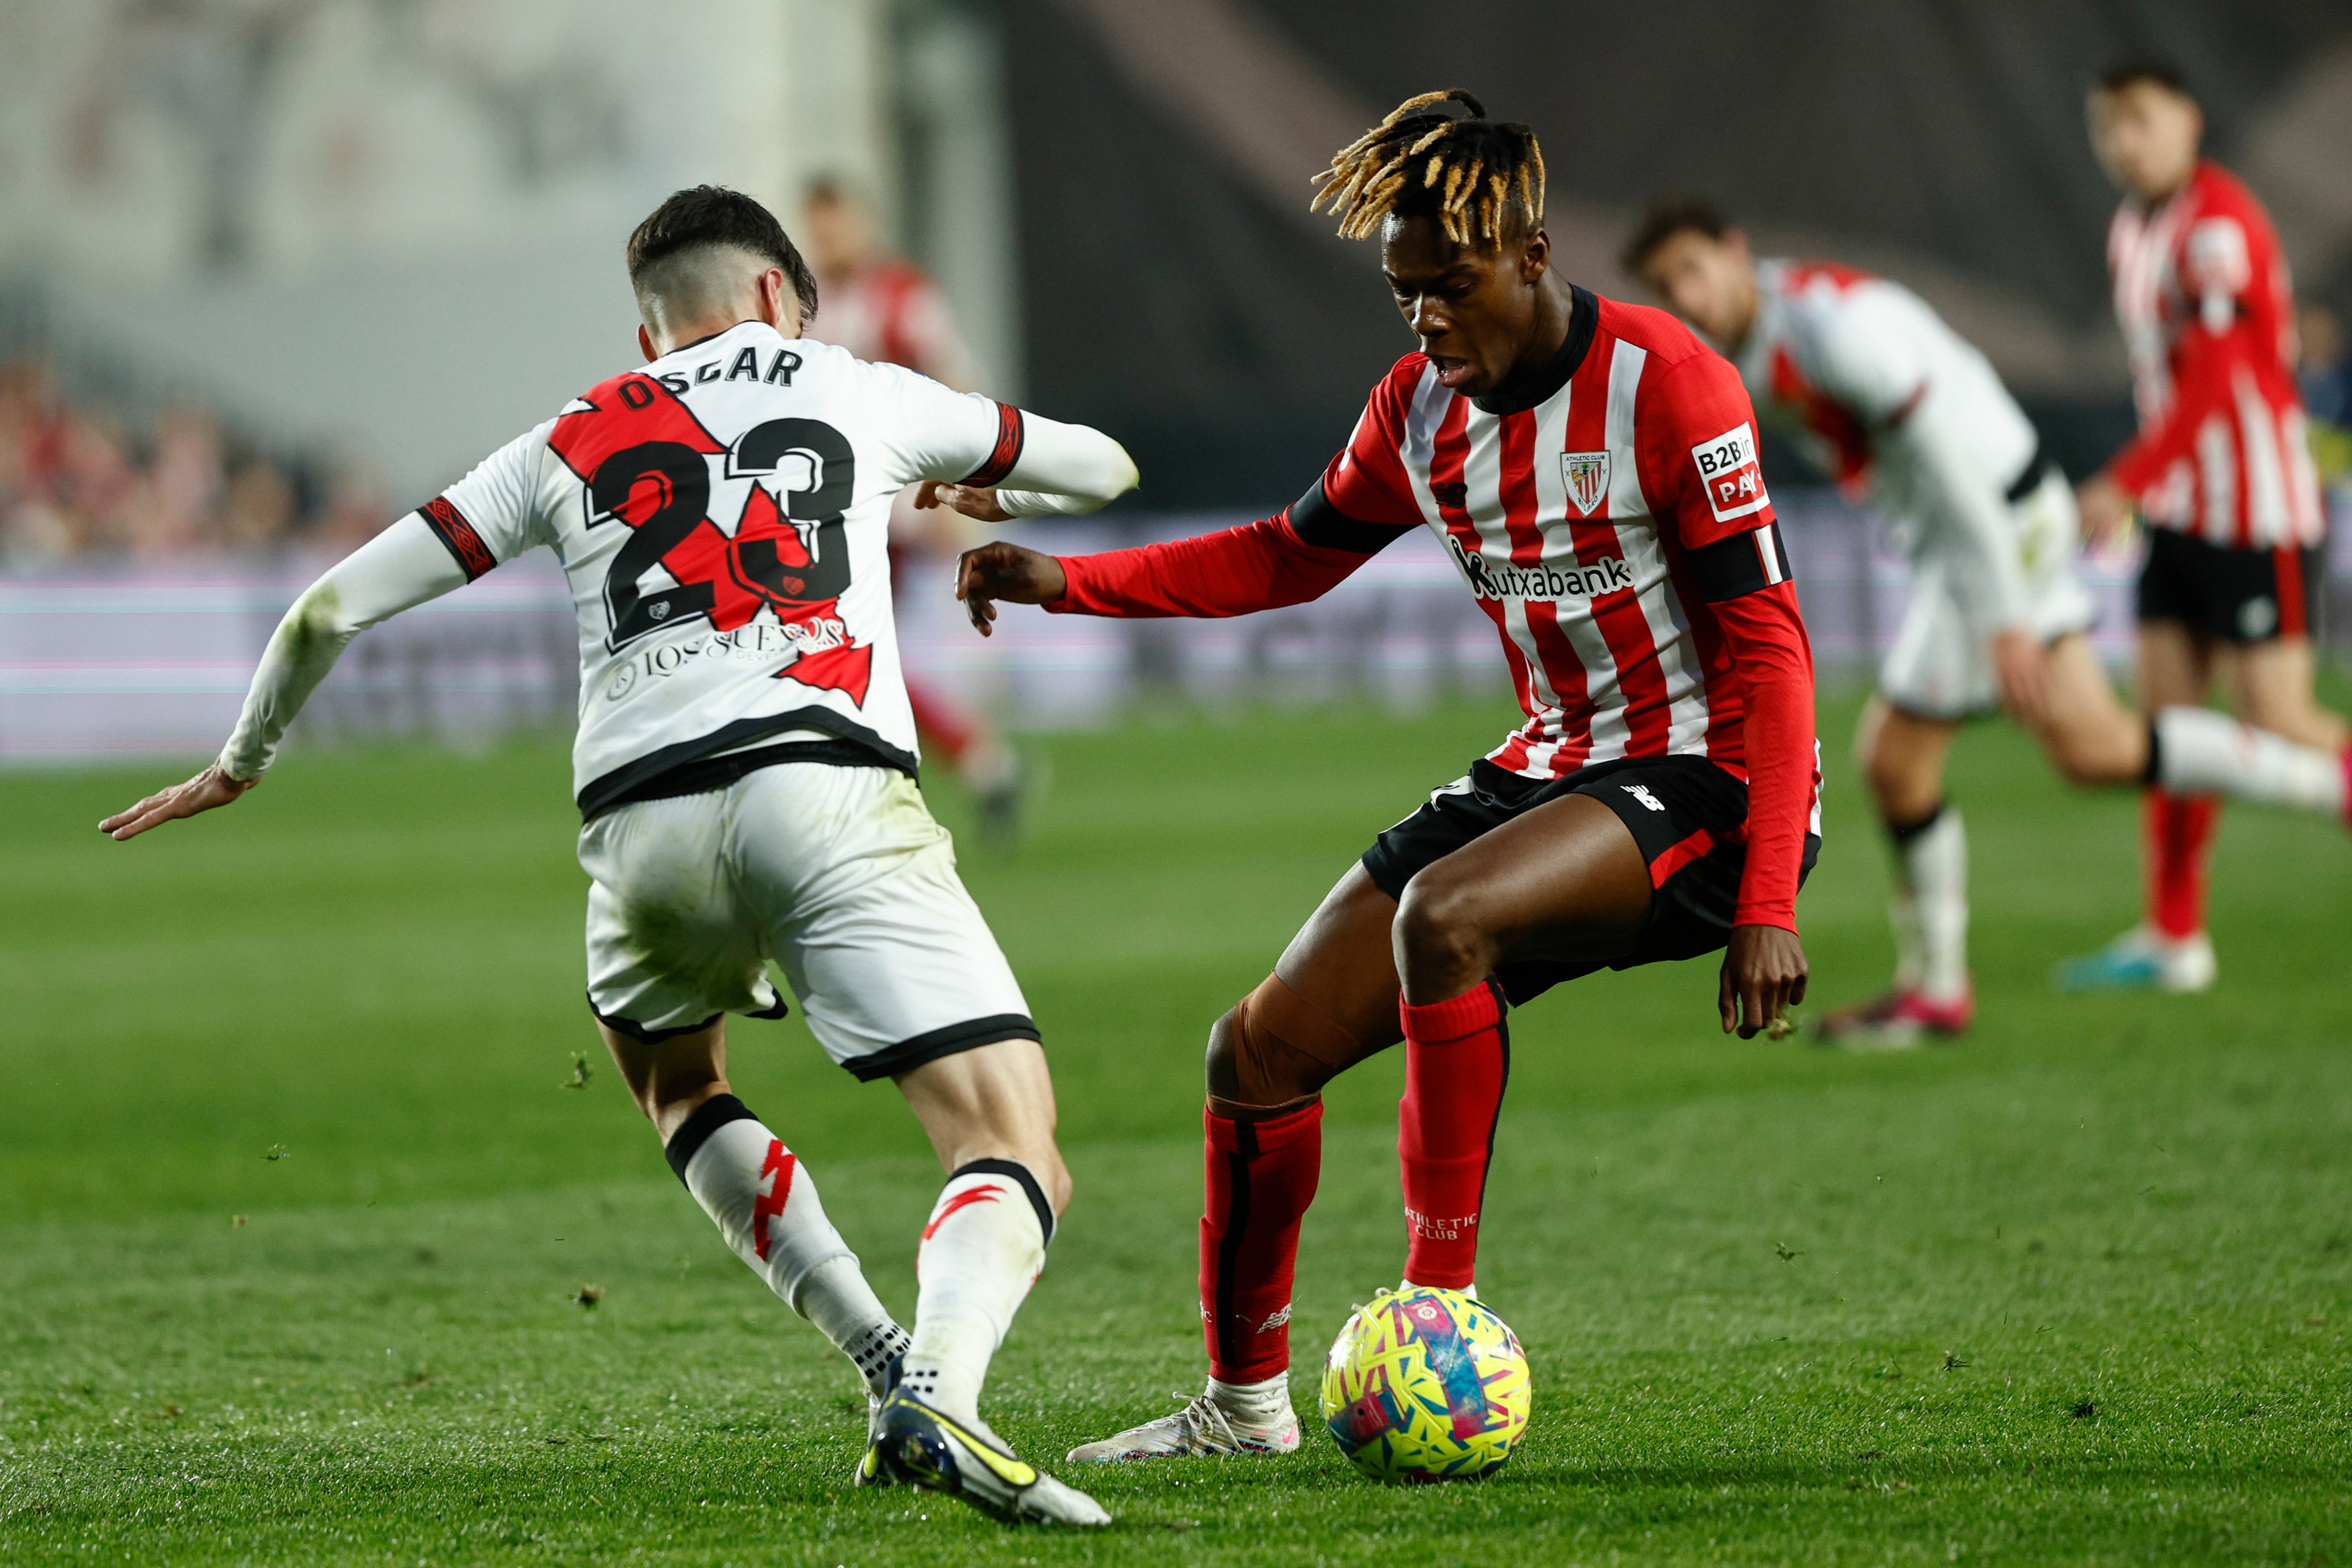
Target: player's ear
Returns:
[646, 344]
[773, 289]
[1535, 257]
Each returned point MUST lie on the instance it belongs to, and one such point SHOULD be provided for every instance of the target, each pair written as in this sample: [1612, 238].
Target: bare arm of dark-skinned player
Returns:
[977, 502]
[1764, 975]
[1005, 572]
[206, 790]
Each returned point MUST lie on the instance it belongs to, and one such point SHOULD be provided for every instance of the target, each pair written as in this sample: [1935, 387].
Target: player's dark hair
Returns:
[1482, 183]
[710, 215]
[1665, 217]
[2152, 69]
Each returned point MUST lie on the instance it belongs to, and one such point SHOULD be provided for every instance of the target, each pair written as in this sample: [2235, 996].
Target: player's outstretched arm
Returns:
[1064, 470]
[1764, 968]
[402, 566]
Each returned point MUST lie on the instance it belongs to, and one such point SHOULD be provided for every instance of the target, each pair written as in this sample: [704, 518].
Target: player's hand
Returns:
[1006, 571]
[2105, 509]
[974, 501]
[2021, 666]
[207, 790]
[1764, 975]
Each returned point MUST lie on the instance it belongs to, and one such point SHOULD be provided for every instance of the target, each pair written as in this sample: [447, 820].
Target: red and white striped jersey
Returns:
[2208, 315]
[1584, 513]
[1611, 518]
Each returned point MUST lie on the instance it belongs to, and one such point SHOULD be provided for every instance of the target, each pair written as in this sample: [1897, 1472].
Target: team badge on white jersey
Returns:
[1587, 475]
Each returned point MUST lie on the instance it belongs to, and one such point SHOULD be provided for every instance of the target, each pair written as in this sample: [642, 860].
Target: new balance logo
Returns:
[1553, 583]
[1641, 792]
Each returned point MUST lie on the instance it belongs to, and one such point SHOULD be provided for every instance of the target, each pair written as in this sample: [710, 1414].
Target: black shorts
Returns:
[1689, 816]
[2236, 595]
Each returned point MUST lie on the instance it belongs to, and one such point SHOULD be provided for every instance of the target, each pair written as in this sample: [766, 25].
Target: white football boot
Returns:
[2142, 960]
[1203, 1429]
[920, 1446]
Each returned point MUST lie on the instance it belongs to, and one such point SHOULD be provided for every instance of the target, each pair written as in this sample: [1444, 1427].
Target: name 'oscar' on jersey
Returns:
[723, 516]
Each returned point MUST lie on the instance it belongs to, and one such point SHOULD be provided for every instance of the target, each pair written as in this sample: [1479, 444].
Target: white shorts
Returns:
[839, 874]
[1939, 667]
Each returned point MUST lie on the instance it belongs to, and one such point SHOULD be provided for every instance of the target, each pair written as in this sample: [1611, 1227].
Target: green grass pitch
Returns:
[2075, 1291]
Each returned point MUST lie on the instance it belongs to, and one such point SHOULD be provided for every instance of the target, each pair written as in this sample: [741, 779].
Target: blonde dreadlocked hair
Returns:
[1478, 180]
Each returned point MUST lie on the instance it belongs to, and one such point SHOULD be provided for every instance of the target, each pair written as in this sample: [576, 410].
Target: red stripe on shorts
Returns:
[1679, 856]
[2289, 569]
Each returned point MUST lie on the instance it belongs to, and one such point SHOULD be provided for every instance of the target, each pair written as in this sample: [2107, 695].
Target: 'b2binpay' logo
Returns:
[1734, 480]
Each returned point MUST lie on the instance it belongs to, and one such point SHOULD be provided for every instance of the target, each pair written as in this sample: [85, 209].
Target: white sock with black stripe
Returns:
[1930, 911]
[983, 1248]
[765, 1204]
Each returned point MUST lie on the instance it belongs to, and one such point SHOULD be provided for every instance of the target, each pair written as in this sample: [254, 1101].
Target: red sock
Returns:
[1457, 1058]
[1259, 1178]
[2178, 831]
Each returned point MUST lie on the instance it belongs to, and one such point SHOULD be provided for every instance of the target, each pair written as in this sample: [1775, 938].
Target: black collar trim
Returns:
[1583, 319]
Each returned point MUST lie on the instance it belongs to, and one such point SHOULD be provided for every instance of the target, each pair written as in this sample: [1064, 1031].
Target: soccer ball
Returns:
[1426, 1385]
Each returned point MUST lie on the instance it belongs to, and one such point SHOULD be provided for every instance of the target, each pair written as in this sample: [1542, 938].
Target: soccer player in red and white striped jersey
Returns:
[1590, 467]
[2221, 468]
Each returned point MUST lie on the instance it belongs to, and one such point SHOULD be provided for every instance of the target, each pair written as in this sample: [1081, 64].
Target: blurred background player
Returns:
[2221, 470]
[745, 780]
[884, 309]
[1591, 468]
[1891, 402]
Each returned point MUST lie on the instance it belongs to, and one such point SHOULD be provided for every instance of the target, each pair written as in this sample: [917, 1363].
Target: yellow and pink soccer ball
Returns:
[1426, 1385]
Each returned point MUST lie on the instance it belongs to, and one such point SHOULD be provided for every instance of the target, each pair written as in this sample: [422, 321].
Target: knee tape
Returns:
[1273, 1027]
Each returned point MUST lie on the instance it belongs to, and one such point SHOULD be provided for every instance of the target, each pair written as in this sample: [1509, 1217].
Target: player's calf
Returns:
[766, 1205]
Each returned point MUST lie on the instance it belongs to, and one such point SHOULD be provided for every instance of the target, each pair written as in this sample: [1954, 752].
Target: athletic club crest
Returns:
[1587, 474]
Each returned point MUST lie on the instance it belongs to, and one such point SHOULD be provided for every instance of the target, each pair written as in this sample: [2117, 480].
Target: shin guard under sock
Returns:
[765, 1204]
[1258, 1179]
[983, 1249]
[1458, 1060]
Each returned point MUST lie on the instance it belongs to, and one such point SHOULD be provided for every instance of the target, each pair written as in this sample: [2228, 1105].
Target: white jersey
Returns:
[1868, 380]
[723, 516]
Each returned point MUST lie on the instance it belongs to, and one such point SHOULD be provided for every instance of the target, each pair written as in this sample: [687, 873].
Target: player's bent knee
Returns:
[1437, 930]
[1275, 1049]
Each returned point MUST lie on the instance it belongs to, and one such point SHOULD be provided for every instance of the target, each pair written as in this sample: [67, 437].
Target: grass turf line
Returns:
[2075, 1291]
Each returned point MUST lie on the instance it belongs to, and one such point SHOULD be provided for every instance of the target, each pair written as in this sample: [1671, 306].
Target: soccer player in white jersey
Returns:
[745, 767]
[1898, 408]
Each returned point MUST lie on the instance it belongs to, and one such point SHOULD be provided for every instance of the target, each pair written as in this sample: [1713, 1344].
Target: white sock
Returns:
[2199, 751]
[765, 1204]
[983, 1249]
[1930, 910]
[1265, 1406]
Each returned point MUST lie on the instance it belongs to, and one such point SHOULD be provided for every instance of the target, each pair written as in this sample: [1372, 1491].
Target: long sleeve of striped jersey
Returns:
[1710, 492]
[1301, 553]
[1358, 509]
[1769, 649]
